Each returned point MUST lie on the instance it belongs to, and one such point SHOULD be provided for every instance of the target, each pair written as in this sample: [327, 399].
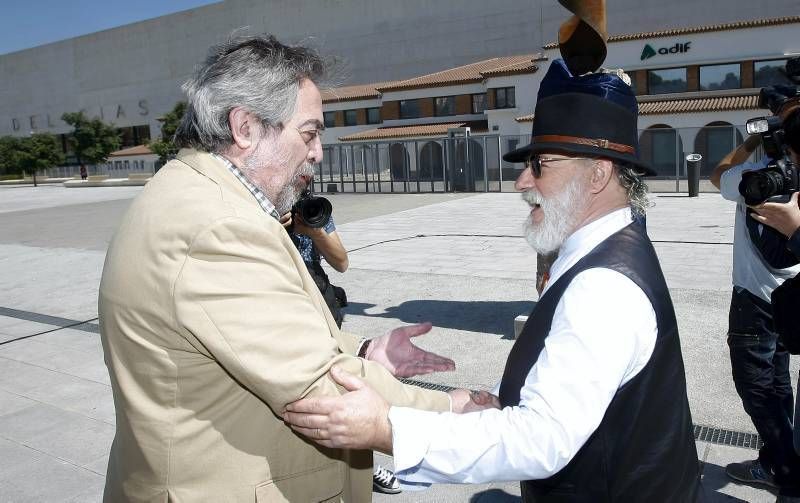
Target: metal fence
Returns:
[474, 164]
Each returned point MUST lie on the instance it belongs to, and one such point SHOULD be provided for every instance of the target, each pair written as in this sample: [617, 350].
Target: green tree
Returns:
[39, 151]
[9, 156]
[165, 147]
[91, 139]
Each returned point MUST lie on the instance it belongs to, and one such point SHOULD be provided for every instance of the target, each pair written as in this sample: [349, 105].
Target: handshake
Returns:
[359, 419]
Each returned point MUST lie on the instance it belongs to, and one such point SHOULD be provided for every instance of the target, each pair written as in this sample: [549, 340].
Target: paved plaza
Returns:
[457, 260]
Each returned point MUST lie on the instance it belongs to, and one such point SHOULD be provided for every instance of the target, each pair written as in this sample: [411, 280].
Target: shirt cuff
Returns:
[794, 243]
[410, 440]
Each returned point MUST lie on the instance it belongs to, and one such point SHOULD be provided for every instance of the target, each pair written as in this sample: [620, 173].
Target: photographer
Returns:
[759, 360]
[315, 243]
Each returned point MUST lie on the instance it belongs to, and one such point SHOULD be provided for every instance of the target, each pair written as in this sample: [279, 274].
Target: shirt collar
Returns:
[585, 239]
[261, 198]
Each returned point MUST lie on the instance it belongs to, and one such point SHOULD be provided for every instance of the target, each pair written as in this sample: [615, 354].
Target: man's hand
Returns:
[358, 419]
[401, 357]
[300, 227]
[463, 401]
[783, 217]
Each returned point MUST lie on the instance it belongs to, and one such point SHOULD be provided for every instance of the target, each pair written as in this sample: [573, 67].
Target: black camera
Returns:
[314, 210]
[779, 179]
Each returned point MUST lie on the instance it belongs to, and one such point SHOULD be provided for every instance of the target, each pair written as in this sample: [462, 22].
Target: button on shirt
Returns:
[602, 335]
[750, 270]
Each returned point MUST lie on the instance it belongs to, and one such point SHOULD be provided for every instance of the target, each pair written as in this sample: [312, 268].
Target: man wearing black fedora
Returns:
[592, 406]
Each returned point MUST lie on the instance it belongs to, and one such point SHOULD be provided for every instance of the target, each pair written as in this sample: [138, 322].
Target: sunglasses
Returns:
[535, 162]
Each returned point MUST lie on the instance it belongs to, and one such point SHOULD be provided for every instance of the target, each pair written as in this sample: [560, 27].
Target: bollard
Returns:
[693, 173]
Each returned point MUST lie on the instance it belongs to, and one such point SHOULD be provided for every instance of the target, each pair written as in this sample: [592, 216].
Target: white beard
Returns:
[562, 213]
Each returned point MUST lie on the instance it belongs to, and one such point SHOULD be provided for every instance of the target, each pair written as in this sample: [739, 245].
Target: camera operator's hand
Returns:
[300, 227]
[286, 220]
[783, 217]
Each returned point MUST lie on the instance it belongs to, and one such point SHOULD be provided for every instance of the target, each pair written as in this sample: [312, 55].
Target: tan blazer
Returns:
[210, 325]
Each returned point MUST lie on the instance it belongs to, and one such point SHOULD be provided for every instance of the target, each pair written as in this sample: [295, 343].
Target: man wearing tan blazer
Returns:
[210, 322]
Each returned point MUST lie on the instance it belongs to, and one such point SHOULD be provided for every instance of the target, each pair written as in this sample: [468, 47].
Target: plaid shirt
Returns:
[261, 198]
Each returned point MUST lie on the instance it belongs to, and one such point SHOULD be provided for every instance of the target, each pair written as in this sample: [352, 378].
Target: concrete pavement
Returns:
[456, 260]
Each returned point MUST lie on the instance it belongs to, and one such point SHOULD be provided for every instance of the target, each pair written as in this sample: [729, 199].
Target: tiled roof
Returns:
[130, 151]
[689, 105]
[352, 93]
[413, 131]
[695, 105]
[474, 72]
[756, 23]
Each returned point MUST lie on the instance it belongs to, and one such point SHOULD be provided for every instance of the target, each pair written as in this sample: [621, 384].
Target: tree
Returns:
[39, 151]
[165, 147]
[9, 155]
[91, 139]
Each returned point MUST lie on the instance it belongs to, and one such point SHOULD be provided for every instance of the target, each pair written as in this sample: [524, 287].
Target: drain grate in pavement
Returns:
[708, 434]
[721, 436]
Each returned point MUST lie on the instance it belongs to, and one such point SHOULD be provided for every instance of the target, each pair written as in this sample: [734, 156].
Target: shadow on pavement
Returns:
[490, 317]
[714, 478]
[494, 496]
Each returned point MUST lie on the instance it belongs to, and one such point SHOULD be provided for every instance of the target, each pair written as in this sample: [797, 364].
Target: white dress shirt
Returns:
[750, 271]
[603, 333]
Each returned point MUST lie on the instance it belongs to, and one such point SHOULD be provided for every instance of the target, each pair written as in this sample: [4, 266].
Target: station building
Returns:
[696, 86]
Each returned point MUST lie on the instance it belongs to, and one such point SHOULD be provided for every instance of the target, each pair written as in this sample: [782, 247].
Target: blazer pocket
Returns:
[321, 485]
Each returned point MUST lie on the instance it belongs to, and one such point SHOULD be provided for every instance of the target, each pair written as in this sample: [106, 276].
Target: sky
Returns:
[29, 23]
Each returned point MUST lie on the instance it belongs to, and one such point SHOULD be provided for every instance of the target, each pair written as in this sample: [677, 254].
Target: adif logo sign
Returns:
[648, 51]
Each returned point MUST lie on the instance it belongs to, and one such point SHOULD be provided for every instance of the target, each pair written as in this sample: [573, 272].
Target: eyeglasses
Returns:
[309, 135]
[535, 162]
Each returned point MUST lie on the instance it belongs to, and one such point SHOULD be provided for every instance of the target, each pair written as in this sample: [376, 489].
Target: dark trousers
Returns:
[760, 366]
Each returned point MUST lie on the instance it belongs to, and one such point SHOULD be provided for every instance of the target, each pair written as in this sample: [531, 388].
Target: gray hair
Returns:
[257, 73]
[635, 188]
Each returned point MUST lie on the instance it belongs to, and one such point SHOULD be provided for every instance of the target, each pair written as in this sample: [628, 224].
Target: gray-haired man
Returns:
[209, 320]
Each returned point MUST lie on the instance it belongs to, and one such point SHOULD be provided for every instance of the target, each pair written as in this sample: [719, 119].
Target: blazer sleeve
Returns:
[240, 299]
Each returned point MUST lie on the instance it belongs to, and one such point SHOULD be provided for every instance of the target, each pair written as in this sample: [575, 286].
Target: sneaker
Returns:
[750, 472]
[788, 499]
[384, 481]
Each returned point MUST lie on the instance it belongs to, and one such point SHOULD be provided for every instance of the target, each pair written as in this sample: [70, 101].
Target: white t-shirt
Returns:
[750, 270]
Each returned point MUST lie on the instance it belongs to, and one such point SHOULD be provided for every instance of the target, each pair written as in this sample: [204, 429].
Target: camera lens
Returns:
[315, 211]
[758, 186]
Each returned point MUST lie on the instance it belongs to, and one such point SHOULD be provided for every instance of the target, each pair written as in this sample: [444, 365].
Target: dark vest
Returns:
[644, 448]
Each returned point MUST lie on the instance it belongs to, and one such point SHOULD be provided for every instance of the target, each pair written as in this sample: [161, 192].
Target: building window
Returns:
[373, 115]
[444, 105]
[478, 103]
[409, 109]
[350, 117]
[717, 77]
[668, 80]
[504, 97]
[770, 73]
[329, 118]
[117, 164]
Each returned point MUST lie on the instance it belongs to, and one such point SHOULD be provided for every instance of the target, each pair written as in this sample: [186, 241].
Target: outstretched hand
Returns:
[359, 419]
[402, 358]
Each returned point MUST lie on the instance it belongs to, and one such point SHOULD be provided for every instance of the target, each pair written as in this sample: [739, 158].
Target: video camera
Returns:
[779, 179]
[314, 210]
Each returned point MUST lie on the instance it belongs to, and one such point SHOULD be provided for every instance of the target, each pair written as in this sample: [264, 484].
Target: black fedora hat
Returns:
[592, 115]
